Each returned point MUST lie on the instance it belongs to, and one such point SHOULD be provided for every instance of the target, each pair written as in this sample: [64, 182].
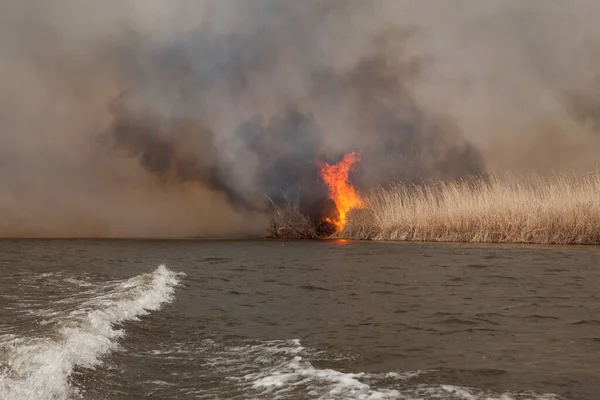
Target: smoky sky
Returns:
[261, 150]
[179, 118]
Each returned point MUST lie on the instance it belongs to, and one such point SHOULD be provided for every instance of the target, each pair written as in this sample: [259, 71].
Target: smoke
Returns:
[248, 111]
[178, 118]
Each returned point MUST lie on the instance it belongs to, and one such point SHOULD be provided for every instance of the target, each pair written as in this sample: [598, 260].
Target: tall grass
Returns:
[562, 209]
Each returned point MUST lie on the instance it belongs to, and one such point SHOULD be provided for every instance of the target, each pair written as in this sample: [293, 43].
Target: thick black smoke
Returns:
[185, 151]
[171, 118]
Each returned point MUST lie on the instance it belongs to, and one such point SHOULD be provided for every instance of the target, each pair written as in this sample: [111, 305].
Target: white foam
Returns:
[77, 282]
[39, 368]
[334, 384]
[286, 376]
[284, 373]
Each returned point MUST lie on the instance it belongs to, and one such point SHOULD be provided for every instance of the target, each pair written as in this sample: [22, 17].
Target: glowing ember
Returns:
[341, 191]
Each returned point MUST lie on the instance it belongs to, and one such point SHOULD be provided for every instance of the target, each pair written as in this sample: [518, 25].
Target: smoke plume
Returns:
[180, 118]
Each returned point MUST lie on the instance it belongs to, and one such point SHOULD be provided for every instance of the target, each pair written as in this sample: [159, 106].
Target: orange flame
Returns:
[341, 191]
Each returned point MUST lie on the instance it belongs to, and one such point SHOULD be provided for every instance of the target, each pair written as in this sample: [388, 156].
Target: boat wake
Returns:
[291, 374]
[285, 369]
[78, 335]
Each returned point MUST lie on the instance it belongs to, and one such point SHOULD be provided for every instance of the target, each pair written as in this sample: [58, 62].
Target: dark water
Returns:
[297, 320]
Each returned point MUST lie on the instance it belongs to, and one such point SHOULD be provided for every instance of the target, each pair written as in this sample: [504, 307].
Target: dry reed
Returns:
[562, 209]
[290, 223]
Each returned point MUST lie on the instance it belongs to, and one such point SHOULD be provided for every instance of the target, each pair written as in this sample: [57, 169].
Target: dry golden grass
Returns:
[562, 209]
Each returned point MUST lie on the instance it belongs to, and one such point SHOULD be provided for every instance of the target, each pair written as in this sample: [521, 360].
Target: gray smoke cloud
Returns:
[176, 118]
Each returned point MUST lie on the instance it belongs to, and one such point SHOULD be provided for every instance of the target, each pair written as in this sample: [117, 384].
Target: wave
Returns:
[284, 369]
[40, 367]
[289, 377]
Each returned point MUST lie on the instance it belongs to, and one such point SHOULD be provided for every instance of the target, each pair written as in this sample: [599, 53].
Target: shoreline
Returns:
[283, 240]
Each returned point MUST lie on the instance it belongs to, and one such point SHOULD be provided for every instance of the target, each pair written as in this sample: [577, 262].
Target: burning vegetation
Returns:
[342, 197]
[557, 209]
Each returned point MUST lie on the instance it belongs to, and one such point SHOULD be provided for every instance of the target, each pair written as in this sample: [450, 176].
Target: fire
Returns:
[341, 191]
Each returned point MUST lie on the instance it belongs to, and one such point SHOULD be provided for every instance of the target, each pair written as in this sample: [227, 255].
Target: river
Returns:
[260, 319]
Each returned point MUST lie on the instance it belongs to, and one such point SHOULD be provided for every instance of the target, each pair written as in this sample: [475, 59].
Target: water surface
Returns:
[297, 320]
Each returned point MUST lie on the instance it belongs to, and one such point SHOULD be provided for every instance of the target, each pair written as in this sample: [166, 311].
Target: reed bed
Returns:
[561, 209]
